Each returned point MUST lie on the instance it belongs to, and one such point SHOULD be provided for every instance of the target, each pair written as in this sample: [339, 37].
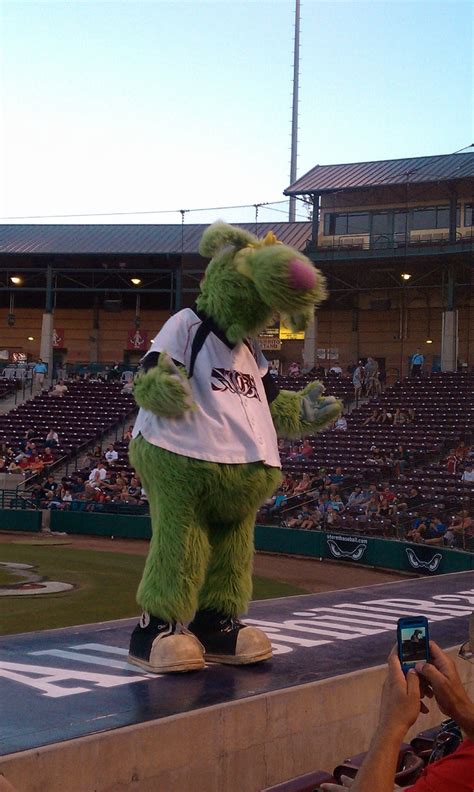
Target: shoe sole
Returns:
[267, 654]
[180, 667]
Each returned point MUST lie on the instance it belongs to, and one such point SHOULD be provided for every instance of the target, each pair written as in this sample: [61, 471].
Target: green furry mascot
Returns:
[206, 449]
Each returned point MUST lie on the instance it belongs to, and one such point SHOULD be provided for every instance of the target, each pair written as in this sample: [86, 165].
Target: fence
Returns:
[366, 551]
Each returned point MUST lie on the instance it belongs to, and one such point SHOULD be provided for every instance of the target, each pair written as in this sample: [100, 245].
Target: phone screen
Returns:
[413, 644]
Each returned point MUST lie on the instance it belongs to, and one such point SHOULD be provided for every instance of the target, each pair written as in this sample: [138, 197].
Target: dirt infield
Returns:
[310, 574]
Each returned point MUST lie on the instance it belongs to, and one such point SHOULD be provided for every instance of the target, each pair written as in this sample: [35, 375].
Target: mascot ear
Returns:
[219, 235]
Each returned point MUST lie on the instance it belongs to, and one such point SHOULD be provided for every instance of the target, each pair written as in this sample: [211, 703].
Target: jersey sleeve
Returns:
[173, 338]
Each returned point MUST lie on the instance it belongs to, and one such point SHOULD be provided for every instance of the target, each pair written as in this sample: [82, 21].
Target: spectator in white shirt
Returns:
[468, 474]
[341, 424]
[52, 439]
[111, 454]
[98, 474]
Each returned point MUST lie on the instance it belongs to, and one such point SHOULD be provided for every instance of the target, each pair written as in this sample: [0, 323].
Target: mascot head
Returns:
[249, 280]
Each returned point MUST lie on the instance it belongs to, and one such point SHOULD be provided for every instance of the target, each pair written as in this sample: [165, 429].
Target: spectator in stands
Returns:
[39, 370]
[294, 370]
[128, 434]
[303, 485]
[288, 484]
[384, 507]
[312, 520]
[127, 389]
[335, 370]
[335, 503]
[372, 508]
[98, 474]
[47, 456]
[402, 458]
[468, 474]
[452, 462]
[462, 528]
[337, 477]
[384, 417]
[461, 451]
[341, 424]
[416, 364]
[114, 373]
[373, 417]
[50, 484]
[332, 517]
[94, 456]
[375, 457]
[59, 390]
[358, 380]
[356, 499]
[399, 709]
[304, 451]
[371, 370]
[412, 502]
[111, 455]
[52, 439]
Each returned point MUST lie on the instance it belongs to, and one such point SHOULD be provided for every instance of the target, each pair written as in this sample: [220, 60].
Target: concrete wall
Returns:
[240, 747]
[377, 334]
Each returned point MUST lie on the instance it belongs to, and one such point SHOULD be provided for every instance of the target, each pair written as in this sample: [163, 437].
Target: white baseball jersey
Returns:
[232, 421]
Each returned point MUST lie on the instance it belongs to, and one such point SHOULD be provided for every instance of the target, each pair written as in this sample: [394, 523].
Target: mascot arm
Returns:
[301, 413]
[164, 389]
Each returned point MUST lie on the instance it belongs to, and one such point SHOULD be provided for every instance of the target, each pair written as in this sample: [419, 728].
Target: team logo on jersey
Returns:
[235, 382]
[431, 565]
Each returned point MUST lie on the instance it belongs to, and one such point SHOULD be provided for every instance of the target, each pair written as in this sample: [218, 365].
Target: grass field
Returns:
[105, 587]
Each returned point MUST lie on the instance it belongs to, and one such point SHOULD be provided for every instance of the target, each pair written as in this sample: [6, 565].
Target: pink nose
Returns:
[301, 275]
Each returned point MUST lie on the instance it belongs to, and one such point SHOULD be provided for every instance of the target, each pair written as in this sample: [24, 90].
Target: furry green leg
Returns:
[179, 549]
[228, 584]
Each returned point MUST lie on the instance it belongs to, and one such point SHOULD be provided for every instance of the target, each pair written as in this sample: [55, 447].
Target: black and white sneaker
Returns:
[228, 640]
[163, 647]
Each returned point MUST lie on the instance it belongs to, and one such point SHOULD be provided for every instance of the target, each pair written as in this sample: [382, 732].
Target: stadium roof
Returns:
[128, 239]
[357, 175]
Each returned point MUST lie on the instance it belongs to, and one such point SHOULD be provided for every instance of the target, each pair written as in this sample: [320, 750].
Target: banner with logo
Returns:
[58, 338]
[137, 340]
[368, 551]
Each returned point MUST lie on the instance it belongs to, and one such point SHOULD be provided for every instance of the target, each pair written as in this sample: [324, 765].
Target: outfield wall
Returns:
[362, 550]
[20, 520]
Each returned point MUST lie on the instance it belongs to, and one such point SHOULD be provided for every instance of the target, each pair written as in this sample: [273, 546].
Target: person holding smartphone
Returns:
[400, 706]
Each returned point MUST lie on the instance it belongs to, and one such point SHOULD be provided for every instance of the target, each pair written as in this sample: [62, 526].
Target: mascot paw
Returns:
[227, 640]
[164, 390]
[164, 647]
[316, 409]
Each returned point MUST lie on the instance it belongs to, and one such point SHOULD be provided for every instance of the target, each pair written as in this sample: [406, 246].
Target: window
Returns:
[400, 223]
[347, 223]
[424, 218]
[340, 226]
[433, 217]
[469, 215]
[358, 223]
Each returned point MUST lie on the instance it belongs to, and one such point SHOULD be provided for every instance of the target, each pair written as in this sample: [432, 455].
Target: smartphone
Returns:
[413, 641]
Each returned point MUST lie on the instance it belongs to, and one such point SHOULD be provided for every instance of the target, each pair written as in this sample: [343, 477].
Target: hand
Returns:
[441, 679]
[164, 390]
[346, 783]
[316, 409]
[400, 704]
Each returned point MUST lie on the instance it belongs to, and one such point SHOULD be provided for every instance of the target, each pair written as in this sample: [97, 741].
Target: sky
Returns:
[109, 107]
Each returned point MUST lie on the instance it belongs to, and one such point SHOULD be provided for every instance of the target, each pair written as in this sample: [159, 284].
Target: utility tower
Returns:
[294, 116]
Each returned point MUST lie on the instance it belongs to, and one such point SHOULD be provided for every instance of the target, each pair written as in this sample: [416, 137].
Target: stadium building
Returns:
[394, 239]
